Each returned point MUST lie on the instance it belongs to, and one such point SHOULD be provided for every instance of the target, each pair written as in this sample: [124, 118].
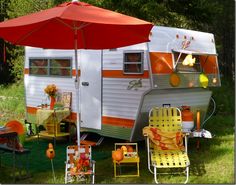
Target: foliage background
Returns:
[215, 16]
[214, 162]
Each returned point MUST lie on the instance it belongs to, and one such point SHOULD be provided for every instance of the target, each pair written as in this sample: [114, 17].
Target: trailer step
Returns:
[89, 142]
[86, 142]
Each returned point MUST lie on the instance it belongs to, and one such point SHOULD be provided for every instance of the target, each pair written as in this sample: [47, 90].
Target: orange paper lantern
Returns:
[50, 153]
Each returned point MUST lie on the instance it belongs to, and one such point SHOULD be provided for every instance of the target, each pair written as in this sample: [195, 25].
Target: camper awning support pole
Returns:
[77, 89]
[149, 66]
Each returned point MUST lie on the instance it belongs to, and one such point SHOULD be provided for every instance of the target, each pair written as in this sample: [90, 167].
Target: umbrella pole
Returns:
[77, 90]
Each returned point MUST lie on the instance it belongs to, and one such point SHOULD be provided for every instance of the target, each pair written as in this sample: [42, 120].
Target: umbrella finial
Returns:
[75, 1]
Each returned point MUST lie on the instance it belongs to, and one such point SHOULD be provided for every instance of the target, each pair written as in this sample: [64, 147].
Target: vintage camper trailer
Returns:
[119, 86]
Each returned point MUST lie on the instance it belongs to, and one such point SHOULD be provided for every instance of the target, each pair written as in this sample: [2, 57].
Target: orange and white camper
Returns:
[119, 86]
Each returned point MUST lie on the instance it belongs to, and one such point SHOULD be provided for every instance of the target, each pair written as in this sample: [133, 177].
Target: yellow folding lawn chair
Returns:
[165, 145]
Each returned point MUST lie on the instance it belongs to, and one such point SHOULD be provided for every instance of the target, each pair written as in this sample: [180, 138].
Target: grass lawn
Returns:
[213, 163]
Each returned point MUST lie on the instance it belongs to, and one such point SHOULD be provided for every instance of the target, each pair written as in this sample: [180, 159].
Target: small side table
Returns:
[130, 158]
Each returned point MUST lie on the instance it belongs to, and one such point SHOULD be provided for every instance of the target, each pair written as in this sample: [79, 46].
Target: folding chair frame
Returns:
[91, 173]
[154, 171]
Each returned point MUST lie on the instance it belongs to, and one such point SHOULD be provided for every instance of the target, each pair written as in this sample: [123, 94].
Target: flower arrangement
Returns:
[80, 164]
[51, 90]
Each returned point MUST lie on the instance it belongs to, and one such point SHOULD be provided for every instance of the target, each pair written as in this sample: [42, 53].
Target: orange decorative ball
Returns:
[124, 148]
[117, 155]
[130, 149]
[174, 79]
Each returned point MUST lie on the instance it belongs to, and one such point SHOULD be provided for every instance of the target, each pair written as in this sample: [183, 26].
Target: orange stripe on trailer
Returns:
[121, 122]
[109, 121]
[161, 63]
[120, 74]
[74, 72]
[26, 71]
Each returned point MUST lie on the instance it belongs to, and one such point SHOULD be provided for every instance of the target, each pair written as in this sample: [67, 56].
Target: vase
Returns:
[52, 102]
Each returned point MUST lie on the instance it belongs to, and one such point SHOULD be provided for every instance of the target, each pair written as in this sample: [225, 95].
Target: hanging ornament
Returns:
[214, 80]
[203, 79]
[189, 60]
[174, 79]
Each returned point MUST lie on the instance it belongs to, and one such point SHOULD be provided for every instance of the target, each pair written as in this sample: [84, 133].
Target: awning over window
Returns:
[184, 51]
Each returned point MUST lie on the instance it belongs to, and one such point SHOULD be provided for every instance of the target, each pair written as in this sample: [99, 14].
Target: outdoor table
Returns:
[51, 120]
[44, 116]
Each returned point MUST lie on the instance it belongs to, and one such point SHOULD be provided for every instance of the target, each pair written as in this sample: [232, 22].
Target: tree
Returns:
[13, 69]
[215, 16]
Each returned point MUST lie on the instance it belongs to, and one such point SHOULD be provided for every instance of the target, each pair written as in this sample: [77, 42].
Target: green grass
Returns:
[12, 102]
[213, 163]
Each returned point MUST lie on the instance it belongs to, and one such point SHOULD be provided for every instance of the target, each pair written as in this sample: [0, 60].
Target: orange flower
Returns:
[51, 90]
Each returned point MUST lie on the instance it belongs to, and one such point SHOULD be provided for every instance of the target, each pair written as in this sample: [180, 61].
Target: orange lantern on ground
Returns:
[187, 119]
[50, 153]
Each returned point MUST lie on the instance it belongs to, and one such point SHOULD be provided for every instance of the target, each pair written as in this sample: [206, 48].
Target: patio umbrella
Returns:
[75, 25]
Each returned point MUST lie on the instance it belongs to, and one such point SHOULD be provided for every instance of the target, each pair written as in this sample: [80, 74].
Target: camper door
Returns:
[90, 88]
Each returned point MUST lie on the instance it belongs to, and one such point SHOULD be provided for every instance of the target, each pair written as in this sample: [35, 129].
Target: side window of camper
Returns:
[133, 62]
[187, 63]
[60, 67]
[38, 67]
[50, 67]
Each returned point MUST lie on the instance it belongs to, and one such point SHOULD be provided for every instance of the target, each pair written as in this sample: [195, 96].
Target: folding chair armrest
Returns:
[92, 163]
[186, 134]
[186, 142]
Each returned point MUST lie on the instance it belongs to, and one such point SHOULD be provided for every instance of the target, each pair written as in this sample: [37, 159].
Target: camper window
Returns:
[38, 67]
[50, 67]
[60, 67]
[189, 68]
[133, 63]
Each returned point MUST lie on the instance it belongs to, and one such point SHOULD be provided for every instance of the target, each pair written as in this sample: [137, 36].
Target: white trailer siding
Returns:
[34, 87]
[120, 102]
[124, 109]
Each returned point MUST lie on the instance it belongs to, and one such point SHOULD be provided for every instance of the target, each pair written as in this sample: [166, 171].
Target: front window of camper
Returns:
[187, 63]
[38, 67]
[50, 67]
[60, 67]
[133, 63]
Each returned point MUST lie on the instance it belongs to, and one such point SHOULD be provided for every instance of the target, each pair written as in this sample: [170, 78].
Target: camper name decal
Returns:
[134, 84]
